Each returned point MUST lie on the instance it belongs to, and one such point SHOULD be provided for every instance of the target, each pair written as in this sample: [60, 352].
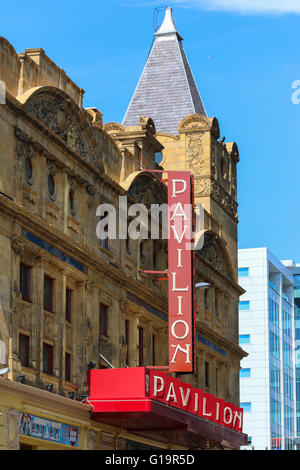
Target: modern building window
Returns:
[25, 282]
[141, 346]
[206, 374]
[48, 293]
[47, 358]
[274, 312]
[244, 339]
[245, 373]
[243, 272]
[24, 350]
[68, 367]
[103, 320]
[68, 305]
[244, 305]
[246, 406]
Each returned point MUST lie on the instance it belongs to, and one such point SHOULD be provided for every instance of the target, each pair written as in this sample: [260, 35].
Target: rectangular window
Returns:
[103, 320]
[47, 358]
[246, 406]
[127, 341]
[25, 281]
[245, 373]
[243, 272]
[244, 305]
[206, 366]
[244, 339]
[141, 346]
[68, 367]
[48, 293]
[24, 350]
[68, 305]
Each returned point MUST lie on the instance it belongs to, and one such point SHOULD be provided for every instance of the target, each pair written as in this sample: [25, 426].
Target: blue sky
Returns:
[244, 54]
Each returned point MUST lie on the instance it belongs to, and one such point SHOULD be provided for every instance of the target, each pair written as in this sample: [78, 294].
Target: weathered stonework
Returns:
[54, 235]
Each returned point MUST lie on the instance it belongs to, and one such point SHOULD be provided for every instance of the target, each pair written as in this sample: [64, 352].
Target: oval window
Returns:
[28, 168]
[51, 185]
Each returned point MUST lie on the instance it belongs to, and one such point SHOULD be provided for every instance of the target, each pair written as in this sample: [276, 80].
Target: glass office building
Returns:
[266, 329]
[294, 268]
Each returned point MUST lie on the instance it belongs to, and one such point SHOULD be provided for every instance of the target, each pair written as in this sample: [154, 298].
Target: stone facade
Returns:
[58, 164]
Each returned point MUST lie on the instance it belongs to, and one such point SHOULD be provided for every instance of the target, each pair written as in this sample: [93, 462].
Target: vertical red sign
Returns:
[180, 272]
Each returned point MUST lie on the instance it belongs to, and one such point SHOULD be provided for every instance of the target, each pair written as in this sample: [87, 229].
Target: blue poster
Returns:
[33, 426]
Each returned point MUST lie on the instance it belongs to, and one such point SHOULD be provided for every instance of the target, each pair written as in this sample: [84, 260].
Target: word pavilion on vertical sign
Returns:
[181, 272]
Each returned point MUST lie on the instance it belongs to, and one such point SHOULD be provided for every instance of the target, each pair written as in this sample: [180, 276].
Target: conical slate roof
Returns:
[167, 91]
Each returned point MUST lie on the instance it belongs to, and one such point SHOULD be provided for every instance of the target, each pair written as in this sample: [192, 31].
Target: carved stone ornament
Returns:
[91, 440]
[96, 117]
[147, 123]
[24, 148]
[147, 191]
[194, 122]
[17, 245]
[195, 153]
[48, 327]
[113, 128]
[202, 186]
[52, 170]
[225, 200]
[90, 286]
[91, 191]
[214, 254]
[12, 428]
[55, 113]
[124, 306]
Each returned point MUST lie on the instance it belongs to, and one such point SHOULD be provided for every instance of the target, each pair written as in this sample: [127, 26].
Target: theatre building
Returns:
[84, 321]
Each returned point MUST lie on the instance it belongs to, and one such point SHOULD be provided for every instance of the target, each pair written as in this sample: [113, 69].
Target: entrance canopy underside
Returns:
[163, 423]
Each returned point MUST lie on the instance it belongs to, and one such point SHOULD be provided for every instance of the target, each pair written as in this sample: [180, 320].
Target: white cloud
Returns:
[242, 6]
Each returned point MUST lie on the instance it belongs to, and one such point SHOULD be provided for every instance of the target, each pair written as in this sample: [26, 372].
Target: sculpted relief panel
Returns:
[58, 113]
[53, 115]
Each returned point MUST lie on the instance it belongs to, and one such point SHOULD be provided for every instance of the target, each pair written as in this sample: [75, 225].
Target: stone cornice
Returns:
[46, 400]
[215, 337]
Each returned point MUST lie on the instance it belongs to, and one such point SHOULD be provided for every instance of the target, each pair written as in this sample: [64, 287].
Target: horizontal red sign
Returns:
[194, 400]
[132, 389]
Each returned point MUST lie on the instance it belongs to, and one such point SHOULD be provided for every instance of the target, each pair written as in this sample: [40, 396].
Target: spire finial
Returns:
[168, 26]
